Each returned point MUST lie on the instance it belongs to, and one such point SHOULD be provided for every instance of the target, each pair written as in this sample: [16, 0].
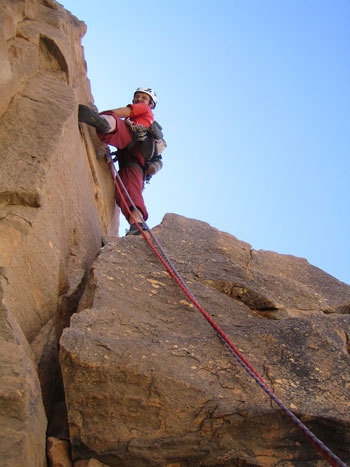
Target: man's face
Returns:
[142, 98]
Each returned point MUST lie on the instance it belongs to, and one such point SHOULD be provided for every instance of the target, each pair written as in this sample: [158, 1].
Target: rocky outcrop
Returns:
[56, 204]
[148, 382]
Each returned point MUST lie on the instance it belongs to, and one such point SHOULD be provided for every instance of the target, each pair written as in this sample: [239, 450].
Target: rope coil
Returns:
[156, 247]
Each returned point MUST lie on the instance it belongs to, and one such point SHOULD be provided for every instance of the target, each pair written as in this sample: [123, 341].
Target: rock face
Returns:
[146, 379]
[148, 382]
[56, 203]
[23, 420]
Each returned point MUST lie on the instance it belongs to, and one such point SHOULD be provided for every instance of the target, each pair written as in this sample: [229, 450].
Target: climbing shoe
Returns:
[92, 118]
[134, 229]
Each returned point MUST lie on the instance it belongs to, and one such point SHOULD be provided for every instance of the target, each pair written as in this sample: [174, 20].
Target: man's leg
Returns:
[110, 128]
[133, 181]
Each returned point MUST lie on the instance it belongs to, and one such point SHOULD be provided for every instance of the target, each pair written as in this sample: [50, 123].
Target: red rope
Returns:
[159, 252]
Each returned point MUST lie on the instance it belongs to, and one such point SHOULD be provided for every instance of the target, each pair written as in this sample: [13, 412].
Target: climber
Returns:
[125, 128]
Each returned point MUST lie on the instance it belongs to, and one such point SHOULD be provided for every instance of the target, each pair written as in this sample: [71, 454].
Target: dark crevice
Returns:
[347, 343]
[56, 407]
[51, 57]
[70, 303]
[343, 309]
[241, 292]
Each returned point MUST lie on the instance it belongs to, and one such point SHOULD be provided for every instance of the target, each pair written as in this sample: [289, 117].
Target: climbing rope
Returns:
[156, 247]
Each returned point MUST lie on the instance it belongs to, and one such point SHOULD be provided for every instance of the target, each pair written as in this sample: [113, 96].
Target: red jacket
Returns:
[141, 114]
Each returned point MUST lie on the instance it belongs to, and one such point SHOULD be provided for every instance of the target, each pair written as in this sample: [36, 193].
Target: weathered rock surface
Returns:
[58, 452]
[148, 382]
[23, 419]
[56, 203]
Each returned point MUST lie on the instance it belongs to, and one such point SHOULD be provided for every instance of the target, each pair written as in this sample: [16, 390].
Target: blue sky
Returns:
[254, 100]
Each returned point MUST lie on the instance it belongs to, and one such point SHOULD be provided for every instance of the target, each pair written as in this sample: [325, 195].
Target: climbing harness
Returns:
[150, 168]
[325, 452]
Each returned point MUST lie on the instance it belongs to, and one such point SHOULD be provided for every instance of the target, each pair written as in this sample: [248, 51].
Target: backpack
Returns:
[151, 148]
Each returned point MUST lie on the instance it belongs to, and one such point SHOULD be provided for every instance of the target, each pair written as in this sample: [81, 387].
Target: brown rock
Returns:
[22, 420]
[148, 382]
[56, 205]
[57, 199]
[89, 463]
[58, 452]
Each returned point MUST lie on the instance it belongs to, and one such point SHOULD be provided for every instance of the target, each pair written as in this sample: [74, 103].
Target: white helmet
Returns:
[149, 92]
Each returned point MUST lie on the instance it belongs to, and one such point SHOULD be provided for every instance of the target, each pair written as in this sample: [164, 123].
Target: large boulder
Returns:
[148, 381]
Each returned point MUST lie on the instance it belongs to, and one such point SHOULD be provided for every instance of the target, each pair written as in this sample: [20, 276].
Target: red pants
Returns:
[131, 177]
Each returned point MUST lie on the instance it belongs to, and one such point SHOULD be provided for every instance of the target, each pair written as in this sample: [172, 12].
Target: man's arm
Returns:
[123, 112]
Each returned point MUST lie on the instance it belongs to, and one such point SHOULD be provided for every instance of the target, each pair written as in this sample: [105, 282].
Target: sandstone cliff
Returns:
[56, 202]
[141, 378]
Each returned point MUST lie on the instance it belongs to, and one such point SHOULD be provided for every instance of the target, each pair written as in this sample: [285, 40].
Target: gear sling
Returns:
[152, 145]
